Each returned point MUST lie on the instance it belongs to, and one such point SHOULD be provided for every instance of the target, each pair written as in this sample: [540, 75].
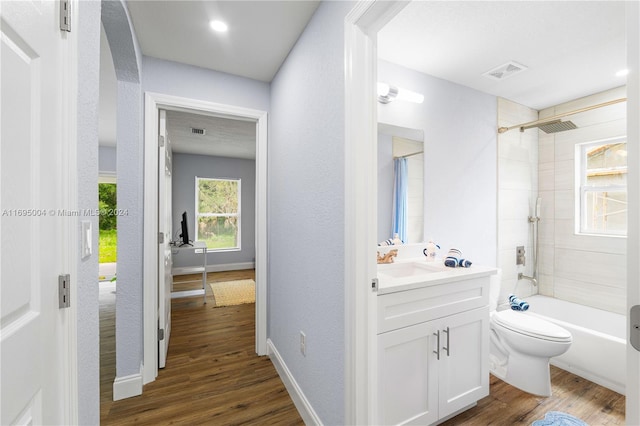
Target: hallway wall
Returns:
[88, 345]
[306, 211]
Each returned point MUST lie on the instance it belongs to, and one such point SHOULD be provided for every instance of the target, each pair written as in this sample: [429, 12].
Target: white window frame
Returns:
[238, 214]
[582, 189]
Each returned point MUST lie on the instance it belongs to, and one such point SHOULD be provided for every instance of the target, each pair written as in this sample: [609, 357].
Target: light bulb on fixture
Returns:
[218, 26]
[622, 73]
[387, 93]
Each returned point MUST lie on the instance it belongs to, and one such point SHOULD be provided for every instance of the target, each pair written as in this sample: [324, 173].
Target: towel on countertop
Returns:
[454, 259]
[517, 304]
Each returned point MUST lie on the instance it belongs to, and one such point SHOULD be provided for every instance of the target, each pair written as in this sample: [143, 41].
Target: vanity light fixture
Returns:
[387, 93]
[218, 26]
[622, 73]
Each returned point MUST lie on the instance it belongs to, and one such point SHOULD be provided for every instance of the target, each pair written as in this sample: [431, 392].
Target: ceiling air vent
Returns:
[504, 71]
[195, 131]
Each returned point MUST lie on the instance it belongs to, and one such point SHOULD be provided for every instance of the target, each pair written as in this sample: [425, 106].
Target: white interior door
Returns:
[34, 250]
[165, 279]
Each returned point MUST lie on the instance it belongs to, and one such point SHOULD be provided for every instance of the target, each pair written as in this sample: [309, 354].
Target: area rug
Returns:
[557, 418]
[229, 293]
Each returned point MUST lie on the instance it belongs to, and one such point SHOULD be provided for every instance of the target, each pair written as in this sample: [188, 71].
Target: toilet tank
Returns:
[494, 290]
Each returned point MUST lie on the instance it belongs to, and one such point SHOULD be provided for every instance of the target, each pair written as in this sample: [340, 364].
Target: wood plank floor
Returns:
[213, 375]
[506, 405]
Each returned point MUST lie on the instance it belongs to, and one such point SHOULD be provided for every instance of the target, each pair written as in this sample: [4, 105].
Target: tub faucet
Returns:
[387, 258]
[522, 276]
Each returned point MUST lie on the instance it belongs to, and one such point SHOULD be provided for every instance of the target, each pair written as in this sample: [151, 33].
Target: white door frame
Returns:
[154, 102]
[361, 27]
[70, 229]
[632, 411]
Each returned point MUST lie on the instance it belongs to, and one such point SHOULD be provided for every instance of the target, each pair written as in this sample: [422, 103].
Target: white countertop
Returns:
[440, 274]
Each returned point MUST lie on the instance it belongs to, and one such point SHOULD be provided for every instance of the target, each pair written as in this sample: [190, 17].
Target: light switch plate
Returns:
[87, 245]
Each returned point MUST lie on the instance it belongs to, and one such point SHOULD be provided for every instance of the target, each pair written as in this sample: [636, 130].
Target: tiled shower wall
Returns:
[517, 193]
[585, 269]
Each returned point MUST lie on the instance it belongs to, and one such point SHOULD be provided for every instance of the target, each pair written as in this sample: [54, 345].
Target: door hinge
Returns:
[160, 238]
[161, 140]
[65, 15]
[160, 334]
[374, 285]
[64, 291]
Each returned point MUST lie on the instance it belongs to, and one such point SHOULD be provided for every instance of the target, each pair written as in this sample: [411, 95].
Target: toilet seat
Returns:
[529, 325]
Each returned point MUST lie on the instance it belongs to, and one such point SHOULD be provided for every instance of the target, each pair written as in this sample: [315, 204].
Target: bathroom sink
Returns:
[404, 270]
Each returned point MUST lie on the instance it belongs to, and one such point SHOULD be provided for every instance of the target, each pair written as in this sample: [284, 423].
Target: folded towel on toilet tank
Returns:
[517, 304]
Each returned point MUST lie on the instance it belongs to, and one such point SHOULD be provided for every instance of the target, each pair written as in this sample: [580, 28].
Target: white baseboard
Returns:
[185, 270]
[301, 402]
[127, 386]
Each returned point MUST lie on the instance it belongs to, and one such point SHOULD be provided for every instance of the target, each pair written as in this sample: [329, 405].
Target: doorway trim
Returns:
[153, 103]
[361, 27]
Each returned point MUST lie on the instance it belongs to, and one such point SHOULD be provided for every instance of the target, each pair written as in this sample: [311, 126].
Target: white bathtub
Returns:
[598, 351]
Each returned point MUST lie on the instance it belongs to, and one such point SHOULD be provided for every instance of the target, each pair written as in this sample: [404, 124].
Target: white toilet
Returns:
[521, 346]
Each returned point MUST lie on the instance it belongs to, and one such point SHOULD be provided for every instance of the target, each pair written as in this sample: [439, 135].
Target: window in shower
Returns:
[603, 187]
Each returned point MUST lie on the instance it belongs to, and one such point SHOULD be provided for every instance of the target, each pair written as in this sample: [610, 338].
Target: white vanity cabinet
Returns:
[433, 351]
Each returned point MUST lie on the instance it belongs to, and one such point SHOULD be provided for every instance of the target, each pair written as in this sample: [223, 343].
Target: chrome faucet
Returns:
[533, 279]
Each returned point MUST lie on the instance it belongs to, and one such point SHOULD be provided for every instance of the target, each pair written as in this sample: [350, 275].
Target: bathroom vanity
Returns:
[432, 340]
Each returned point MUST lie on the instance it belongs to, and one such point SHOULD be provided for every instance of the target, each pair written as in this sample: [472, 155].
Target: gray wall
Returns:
[107, 159]
[187, 81]
[185, 169]
[385, 186]
[460, 146]
[306, 211]
[88, 351]
[129, 117]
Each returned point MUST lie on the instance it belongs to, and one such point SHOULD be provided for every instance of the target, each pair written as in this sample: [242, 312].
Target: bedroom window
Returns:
[603, 187]
[218, 213]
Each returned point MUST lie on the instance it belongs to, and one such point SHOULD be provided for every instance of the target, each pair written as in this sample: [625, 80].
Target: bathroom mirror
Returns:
[395, 142]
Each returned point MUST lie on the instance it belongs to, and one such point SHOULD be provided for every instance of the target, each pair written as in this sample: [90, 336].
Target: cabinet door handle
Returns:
[437, 351]
[446, 348]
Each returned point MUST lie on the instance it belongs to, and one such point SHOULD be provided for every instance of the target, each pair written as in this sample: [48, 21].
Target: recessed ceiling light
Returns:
[218, 26]
[622, 73]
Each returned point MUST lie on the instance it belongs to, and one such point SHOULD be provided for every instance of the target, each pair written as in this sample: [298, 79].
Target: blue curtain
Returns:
[400, 176]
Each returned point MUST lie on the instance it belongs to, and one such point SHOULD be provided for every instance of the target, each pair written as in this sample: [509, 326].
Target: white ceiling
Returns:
[571, 48]
[223, 137]
[260, 35]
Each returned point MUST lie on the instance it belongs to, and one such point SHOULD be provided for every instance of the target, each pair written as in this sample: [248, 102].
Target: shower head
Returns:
[554, 126]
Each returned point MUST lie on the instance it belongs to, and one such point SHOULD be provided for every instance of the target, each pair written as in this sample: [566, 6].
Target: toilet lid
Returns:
[530, 325]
